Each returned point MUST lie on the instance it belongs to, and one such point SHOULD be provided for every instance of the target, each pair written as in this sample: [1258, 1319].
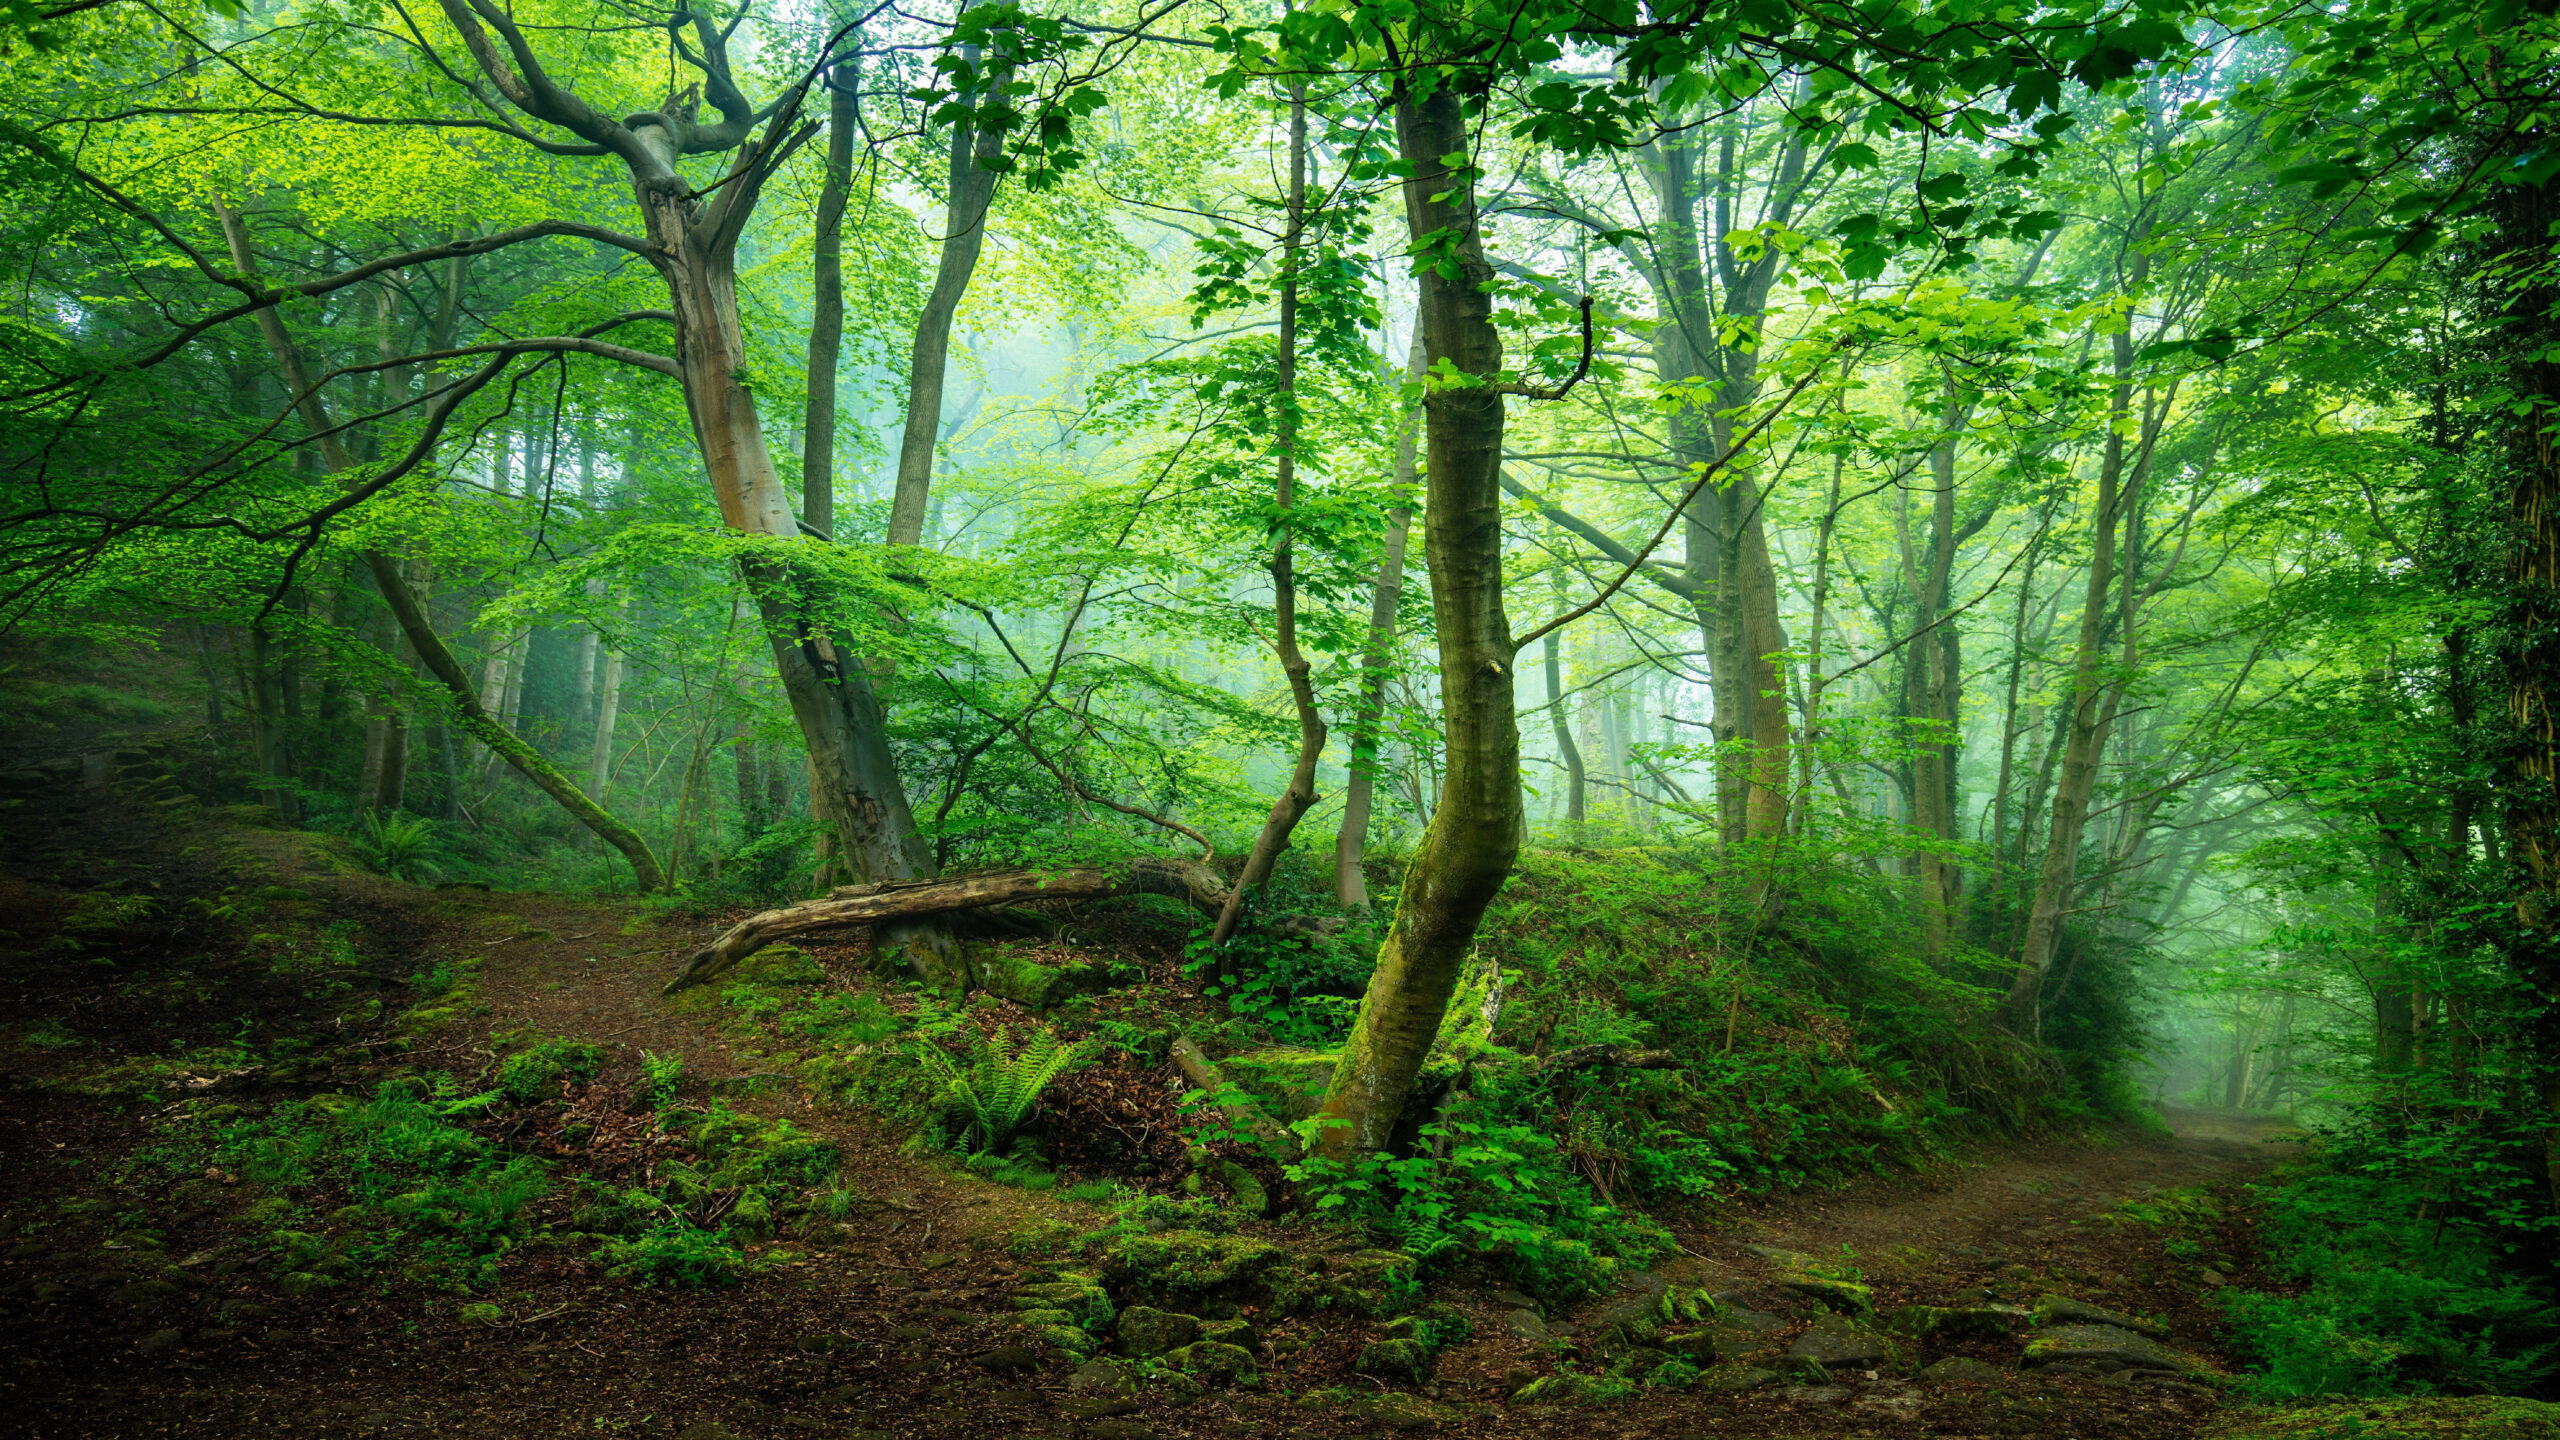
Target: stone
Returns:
[1009, 1360]
[1230, 1332]
[1108, 1376]
[1213, 1360]
[913, 1332]
[1098, 1408]
[1734, 1379]
[1013, 1397]
[1922, 1322]
[159, 1340]
[2213, 1279]
[1146, 1332]
[1558, 1390]
[1781, 1257]
[1845, 1297]
[1526, 1325]
[1836, 1343]
[2101, 1348]
[1743, 1317]
[1698, 1347]
[1119, 1430]
[826, 1344]
[1957, 1370]
[706, 1430]
[1814, 1394]
[142, 1294]
[2063, 1310]
[1405, 1359]
[1390, 1411]
[1513, 1299]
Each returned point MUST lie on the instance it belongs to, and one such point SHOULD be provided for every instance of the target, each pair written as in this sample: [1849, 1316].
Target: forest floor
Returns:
[131, 1303]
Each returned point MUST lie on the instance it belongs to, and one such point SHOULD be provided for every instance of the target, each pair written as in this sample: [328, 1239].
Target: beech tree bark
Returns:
[971, 189]
[411, 616]
[1300, 794]
[1474, 835]
[1350, 886]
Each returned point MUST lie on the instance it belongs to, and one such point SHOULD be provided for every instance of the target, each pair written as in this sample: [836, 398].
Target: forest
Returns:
[1280, 717]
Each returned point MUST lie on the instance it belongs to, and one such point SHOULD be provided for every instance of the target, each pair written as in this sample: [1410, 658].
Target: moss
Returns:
[2476, 1417]
[1408, 1360]
[1847, 1297]
[1922, 1322]
[1076, 1294]
[1288, 1083]
[779, 965]
[1192, 1260]
[1028, 982]
[1215, 1360]
[750, 1150]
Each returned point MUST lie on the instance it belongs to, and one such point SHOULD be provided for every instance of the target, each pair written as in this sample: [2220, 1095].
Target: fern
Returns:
[983, 1103]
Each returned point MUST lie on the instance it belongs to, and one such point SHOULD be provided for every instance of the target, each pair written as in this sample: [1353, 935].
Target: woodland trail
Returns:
[880, 1325]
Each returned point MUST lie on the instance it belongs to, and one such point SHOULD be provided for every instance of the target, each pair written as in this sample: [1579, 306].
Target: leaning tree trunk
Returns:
[412, 617]
[856, 789]
[1475, 831]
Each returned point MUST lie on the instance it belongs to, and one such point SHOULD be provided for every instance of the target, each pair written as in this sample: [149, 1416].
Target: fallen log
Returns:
[1187, 880]
[1245, 1113]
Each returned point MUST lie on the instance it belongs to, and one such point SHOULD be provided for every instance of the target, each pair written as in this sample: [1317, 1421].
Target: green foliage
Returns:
[397, 844]
[676, 1254]
[981, 1104]
[660, 1077]
[535, 1073]
[2392, 1299]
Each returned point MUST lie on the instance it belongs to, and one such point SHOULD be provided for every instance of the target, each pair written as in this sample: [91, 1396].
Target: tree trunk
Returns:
[608, 709]
[972, 188]
[826, 321]
[2092, 709]
[1467, 853]
[1350, 886]
[1929, 699]
[1189, 881]
[1577, 798]
[1300, 796]
[858, 794]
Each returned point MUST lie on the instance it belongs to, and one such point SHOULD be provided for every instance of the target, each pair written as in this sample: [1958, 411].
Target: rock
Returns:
[1513, 1299]
[1107, 1376]
[1390, 1411]
[1405, 1359]
[1734, 1379]
[1922, 1322]
[935, 1259]
[1195, 1260]
[1957, 1370]
[1836, 1343]
[1146, 1332]
[1743, 1317]
[2063, 1310]
[918, 1332]
[1814, 1394]
[1009, 1360]
[1230, 1332]
[1119, 1430]
[1845, 1297]
[1526, 1325]
[2213, 1279]
[1558, 1390]
[1784, 1259]
[303, 1282]
[826, 1344]
[1698, 1347]
[1213, 1361]
[142, 1294]
[1013, 1397]
[1098, 1408]
[1078, 1293]
[706, 1430]
[159, 1340]
[2101, 1347]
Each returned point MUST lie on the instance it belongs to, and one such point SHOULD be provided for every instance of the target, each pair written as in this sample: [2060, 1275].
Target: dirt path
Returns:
[889, 1323]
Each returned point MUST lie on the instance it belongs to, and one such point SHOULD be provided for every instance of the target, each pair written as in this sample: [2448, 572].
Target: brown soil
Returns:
[88, 1356]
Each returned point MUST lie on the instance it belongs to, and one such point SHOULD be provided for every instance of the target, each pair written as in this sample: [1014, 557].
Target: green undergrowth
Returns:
[2393, 1290]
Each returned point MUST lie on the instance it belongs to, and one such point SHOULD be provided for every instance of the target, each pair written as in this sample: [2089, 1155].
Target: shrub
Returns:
[398, 844]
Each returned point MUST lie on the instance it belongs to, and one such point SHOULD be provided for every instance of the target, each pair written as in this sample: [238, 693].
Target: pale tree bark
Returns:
[1359, 795]
[2094, 698]
[1577, 800]
[412, 617]
[1300, 795]
[608, 711]
[971, 189]
[1474, 835]
[691, 238]
[826, 321]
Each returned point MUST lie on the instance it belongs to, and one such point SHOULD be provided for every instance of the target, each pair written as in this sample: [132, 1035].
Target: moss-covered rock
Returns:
[1698, 1347]
[1925, 1322]
[1077, 1294]
[1844, 1297]
[1214, 1362]
[1562, 1390]
[1146, 1332]
[2063, 1310]
[2471, 1417]
[1191, 1260]
[1404, 1359]
[1230, 1332]
[1733, 1379]
[740, 1150]
[1011, 975]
